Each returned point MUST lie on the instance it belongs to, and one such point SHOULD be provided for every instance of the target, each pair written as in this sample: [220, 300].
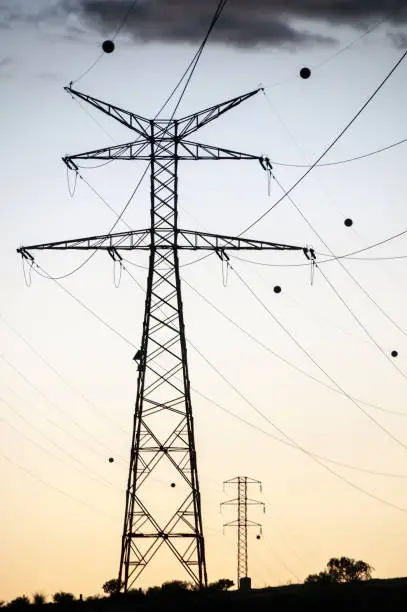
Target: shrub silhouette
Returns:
[223, 584]
[19, 602]
[63, 598]
[112, 586]
[343, 569]
[175, 587]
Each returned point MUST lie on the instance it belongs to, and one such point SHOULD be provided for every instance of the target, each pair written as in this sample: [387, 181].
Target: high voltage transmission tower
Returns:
[242, 522]
[163, 429]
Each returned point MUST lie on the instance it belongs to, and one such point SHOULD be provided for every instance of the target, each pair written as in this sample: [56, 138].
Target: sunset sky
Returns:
[68, 383]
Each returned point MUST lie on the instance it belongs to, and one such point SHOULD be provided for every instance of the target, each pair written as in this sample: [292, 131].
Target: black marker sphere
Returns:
[348, 222]
[305, 73]
[108, 46]
[111, 459]
[394, 353]
[277, 289]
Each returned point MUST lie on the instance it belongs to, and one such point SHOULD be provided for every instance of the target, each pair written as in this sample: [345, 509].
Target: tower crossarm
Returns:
[192, 240]
[236, 523]
[140, 150]
[189, 150]
[195, 121]
[187, 240]
[121, 240]
[137, 123]
[136, 149]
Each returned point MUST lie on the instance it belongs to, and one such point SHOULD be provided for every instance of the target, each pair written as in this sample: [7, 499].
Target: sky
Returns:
[68, 383]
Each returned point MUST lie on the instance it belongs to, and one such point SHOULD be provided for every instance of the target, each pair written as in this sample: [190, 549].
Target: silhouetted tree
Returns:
[63, 598]
[154, 590]
[175, 586]
[343, 569]
[94, 598]
[321, 577]
[112, 586]
[19, 602]
[39, 599]
[223, 584]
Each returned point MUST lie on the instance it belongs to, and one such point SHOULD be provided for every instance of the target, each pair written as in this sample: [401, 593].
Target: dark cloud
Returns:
[6, 61]
[50, 76]
[243, 23]
[399, 39]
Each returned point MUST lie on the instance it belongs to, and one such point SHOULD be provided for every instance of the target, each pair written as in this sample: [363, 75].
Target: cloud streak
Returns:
[244, 23]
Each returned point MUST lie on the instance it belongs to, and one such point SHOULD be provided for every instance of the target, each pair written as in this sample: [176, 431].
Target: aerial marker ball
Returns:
[348, 222]
[108, 46]
[305, 73]
[111, 459]
[173, 484]
[277, 289]
[394, 353]
[257, 537]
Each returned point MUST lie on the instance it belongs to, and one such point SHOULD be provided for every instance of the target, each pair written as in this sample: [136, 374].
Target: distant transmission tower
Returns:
[163, 430]
[242, 523]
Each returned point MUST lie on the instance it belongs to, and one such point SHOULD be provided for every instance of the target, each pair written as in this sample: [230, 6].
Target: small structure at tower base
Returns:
[245, 584]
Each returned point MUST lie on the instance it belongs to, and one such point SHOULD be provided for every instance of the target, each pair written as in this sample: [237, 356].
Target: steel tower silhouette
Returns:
[242, 522]
[163, 428]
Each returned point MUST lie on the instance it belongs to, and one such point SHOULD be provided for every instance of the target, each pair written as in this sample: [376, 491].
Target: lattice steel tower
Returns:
[242, 522]
[163, 431]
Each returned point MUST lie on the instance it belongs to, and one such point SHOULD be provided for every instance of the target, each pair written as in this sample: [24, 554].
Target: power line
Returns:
[58, 409]
[368, 248]
[286, 442]
[363, 35]
[367, 294]
[57, 373]
[90, 311]
[323, 261]
[354, 316]
[94, 509]
[89, 472]
[361, 324]
[309, 356]
[283, 359]
[337, 389]
[333, 143]
[332, 256]
[347, 45]
[251, 425]
[194, 62]
[293, 442]
[105, 202]
[62, 276]
[280, 558]
[117, 32]
[218, 12]
[37, 268]
[342, 161]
